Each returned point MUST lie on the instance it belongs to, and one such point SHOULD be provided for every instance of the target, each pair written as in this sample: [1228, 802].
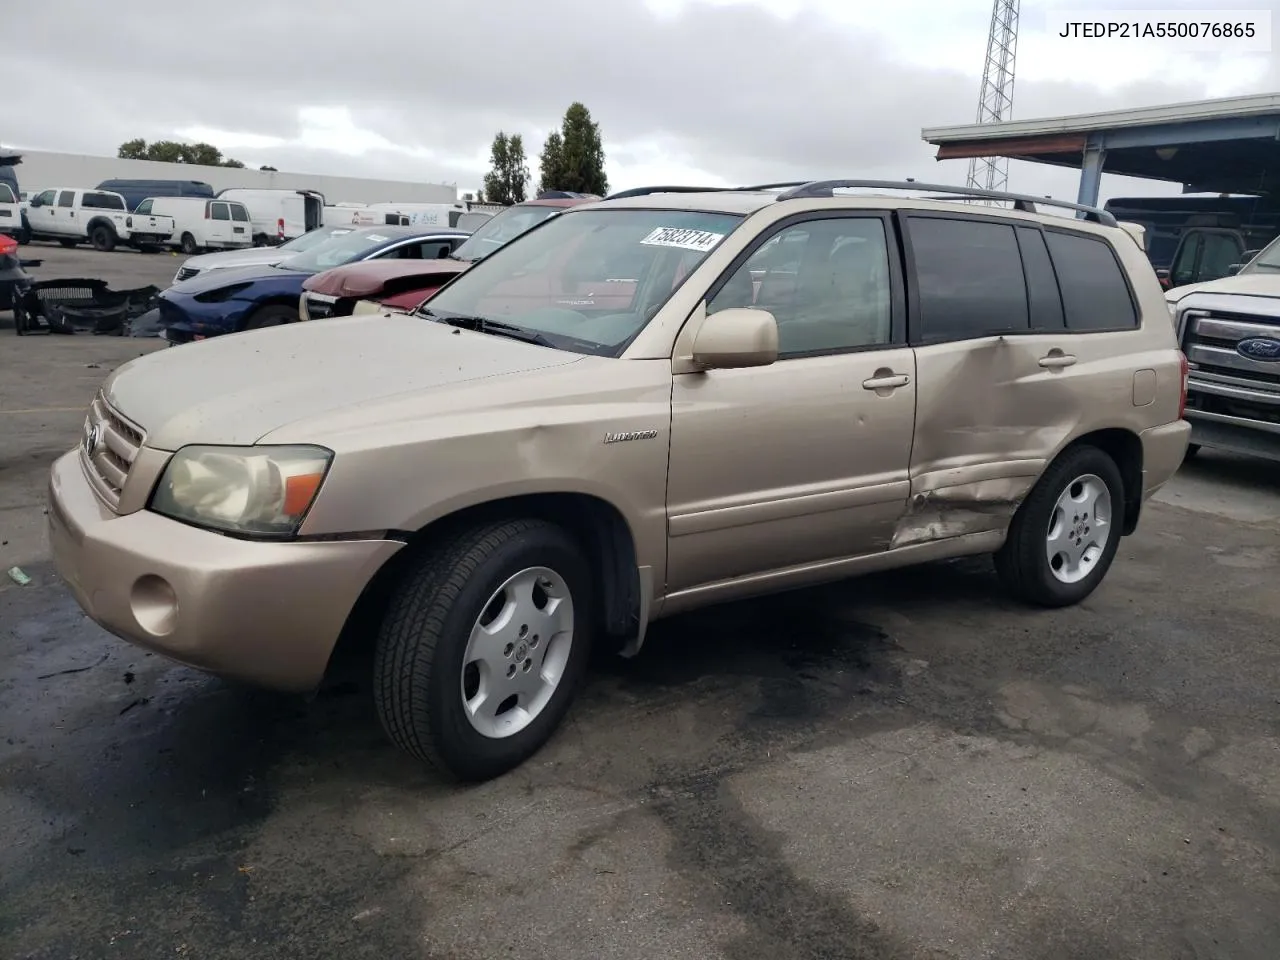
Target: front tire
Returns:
[1066, 533]
[272, 316]
[484, 646]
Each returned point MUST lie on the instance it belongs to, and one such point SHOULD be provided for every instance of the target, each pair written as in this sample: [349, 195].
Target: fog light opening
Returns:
[154, 604]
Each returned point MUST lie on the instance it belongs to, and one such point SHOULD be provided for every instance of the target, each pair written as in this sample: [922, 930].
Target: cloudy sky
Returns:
[714, 91]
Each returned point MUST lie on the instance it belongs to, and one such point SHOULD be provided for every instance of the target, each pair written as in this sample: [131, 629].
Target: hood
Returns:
[1248, 285]
[236, 389]
[374, 277]
[208, 281]
[232, 258]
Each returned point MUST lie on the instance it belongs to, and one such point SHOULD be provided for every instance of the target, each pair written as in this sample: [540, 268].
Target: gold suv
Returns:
[666, 399]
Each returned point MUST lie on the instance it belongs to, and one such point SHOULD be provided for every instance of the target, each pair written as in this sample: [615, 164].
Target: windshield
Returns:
[1267, 260]
[503, 228]
[314, 238]
[587, 281]
[336, 251]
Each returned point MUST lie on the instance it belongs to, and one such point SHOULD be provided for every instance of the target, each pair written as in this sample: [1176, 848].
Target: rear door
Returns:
[218, 225]
[64, 221]
[241, 228]
[1017, 330]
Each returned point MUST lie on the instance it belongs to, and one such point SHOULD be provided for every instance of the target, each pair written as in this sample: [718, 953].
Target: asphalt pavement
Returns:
[903, 766]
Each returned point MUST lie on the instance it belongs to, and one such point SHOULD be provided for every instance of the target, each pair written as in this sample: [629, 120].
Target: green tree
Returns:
[573, 158]
[133, 150]
[171, 151]
[508, 178]
[551, 163]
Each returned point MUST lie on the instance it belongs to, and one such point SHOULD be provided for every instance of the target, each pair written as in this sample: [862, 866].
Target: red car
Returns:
[405, 284]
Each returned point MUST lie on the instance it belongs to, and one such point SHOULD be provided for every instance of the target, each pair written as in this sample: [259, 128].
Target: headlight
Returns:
[257, 491]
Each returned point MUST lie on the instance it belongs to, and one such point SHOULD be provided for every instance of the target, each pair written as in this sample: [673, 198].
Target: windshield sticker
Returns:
[377, 237]
[685, 239]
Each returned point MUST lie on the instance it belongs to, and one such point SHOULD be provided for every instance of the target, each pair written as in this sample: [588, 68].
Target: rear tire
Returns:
[189, 245]
[272, 316]
[103, 238]
[474, 668]
[1066, 533]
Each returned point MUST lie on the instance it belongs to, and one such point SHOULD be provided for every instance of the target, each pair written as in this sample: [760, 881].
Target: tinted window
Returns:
[238, 212]
[144, 207]
[67, 198]
[826, 282]
[1042, 284]
[99, 201]
[1094, 292]
[220, 212]
[970, 279]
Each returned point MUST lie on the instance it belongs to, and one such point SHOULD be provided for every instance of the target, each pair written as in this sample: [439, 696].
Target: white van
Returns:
[201, 224]
[278, 215]
[423, 214]
[357, 215]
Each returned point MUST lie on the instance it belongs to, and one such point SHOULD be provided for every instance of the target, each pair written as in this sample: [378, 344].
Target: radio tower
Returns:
[995, 103]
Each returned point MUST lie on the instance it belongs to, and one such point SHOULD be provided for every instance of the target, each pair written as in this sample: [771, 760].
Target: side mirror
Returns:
[737, 337]
[35, 202]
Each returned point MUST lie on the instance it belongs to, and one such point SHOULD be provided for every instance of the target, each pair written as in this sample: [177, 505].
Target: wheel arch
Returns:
[100, 221]
[1125, 448]
[596, 524]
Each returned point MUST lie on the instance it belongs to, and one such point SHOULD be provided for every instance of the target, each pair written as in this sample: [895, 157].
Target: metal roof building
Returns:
[1230, 145]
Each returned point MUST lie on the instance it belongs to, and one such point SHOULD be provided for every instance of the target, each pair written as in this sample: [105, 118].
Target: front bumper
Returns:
[187, 319]
[268, 614]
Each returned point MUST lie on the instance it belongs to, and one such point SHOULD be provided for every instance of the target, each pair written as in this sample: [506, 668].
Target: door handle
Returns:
[1056, 361]
[885, 380]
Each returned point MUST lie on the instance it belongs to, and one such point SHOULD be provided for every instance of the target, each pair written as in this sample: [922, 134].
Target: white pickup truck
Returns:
[100, 217]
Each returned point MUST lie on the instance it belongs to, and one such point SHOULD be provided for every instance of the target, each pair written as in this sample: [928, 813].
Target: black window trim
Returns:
[913, 287]
[897, 293]
[1139, 321]
[1057, 281]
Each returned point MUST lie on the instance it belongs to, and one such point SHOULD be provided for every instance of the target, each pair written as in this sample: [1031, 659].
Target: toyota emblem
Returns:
[93, 439]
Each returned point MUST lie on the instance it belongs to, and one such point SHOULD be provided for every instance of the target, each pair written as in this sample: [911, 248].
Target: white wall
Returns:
[41, 170]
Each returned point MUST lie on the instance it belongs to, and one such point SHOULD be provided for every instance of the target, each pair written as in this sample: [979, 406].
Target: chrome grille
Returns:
[108, 448]
[185, 273]
[1210, 342]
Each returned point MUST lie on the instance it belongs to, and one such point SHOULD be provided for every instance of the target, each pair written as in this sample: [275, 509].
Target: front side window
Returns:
[970, 279]
[826, 282]
[45, 197]
[587, 281]
[67, 198]
[144, 207]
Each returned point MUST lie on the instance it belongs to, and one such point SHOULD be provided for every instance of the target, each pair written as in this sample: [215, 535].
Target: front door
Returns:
[807, 459]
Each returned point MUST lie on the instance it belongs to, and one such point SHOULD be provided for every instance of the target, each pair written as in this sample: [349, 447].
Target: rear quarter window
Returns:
[1095, 292]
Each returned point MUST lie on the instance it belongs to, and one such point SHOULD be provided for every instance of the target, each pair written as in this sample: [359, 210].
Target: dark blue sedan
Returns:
[227, 301]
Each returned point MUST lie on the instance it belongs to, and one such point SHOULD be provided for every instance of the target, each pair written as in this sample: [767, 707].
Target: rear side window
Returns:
[969, 277]
[6, 195]
[1095, 294]
[238, 212]
[1042, 284]
[220, 212]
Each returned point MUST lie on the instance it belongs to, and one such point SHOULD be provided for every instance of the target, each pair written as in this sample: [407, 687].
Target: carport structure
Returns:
[1229, 145]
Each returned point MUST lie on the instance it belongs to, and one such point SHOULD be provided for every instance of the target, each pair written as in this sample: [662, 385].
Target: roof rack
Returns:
[645, 191]
[818, 189]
